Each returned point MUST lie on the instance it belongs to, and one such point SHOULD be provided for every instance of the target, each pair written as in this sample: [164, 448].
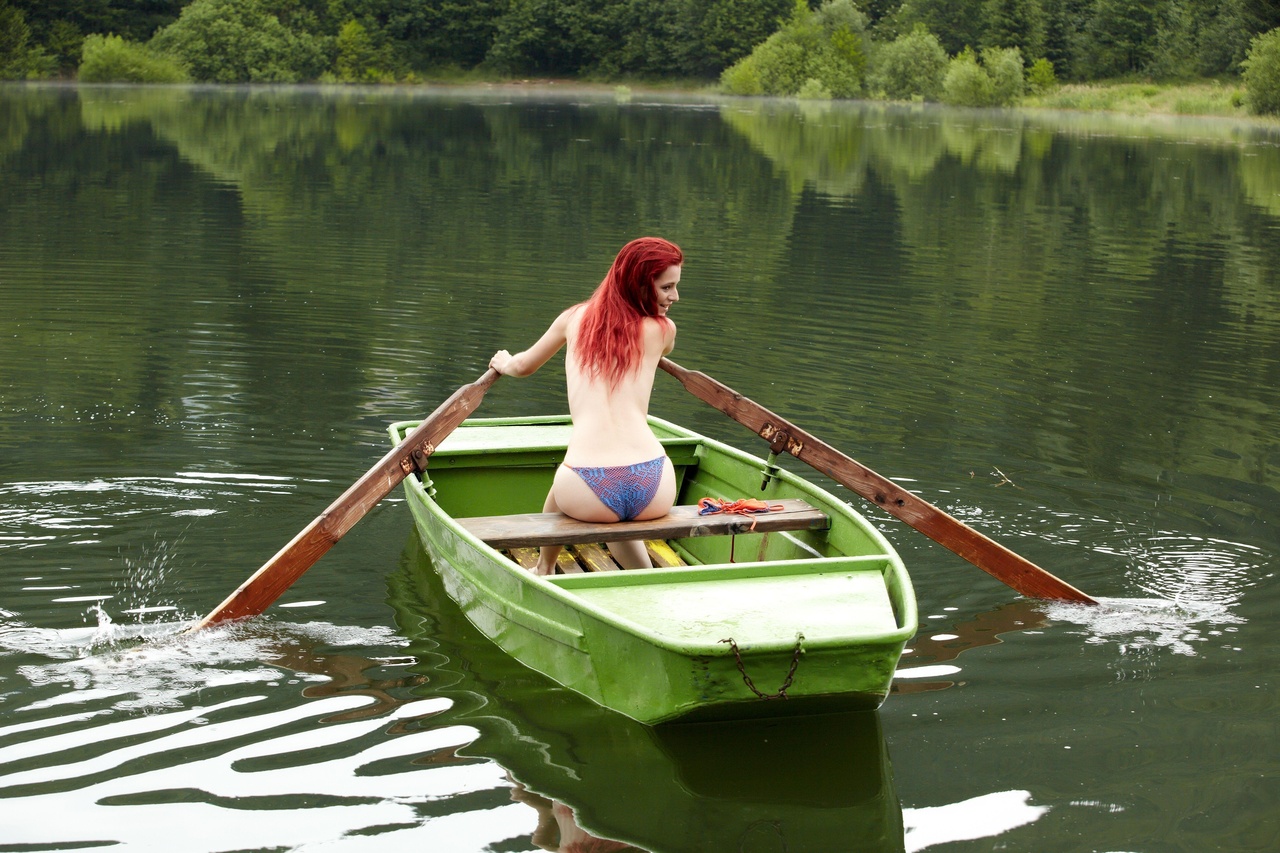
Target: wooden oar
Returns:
[278, 574]
[995, 559]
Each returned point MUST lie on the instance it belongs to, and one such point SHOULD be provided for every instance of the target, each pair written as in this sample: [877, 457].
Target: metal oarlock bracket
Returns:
[780, 441]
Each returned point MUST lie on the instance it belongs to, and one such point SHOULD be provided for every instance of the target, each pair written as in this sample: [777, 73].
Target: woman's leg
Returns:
[548, 554]
[630, 554]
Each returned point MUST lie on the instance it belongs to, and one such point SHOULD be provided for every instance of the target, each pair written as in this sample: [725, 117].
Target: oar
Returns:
[995, 559]
[278, 574]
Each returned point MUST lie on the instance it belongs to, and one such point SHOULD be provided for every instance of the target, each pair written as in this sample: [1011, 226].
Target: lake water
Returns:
[1063, 329]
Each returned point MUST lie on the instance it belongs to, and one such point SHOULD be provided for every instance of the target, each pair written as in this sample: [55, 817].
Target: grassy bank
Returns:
[1199, 98]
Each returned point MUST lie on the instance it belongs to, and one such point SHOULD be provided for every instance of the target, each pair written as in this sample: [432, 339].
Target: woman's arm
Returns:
[527, 362]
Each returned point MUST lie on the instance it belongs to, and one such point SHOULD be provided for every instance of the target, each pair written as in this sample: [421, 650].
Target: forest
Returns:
[991, 51]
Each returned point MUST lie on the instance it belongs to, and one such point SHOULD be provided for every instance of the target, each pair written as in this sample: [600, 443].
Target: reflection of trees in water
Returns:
[1075, 248]
[364, 234]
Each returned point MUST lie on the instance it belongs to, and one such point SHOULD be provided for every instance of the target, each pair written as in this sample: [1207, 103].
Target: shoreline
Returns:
[1200, 99]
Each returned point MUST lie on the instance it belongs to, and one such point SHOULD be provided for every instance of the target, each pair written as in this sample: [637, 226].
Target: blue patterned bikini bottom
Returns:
[625, 489]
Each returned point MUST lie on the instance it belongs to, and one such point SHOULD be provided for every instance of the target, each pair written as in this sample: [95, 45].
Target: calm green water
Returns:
[1063, 329]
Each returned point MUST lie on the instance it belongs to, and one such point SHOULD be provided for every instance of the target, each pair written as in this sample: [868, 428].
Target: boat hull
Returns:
[800, 624]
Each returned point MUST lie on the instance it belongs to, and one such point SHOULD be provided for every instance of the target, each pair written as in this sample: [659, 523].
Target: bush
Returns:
[239, 41]
[997, 81]
[742, 78]
[112, 59]
[813, 90]
[1040, 77]
[911, 66]
[782, 64]
[967, 84]
[825, 47]
[1262, 73]
[1004, 66]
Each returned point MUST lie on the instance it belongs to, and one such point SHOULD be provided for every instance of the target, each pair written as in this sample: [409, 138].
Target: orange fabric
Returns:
[744, 506]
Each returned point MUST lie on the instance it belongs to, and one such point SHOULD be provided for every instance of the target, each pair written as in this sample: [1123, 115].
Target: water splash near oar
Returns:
[1141, 625]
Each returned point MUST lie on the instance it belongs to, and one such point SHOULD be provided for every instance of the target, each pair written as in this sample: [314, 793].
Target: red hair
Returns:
[609, 339]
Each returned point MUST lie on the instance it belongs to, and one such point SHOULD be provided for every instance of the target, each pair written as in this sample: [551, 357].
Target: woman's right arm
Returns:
[528, 361]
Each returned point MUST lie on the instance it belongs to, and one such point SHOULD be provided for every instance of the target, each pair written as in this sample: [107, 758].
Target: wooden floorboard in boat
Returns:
[594, 557]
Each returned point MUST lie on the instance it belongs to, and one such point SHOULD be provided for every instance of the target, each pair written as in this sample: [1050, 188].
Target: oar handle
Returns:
[990, 556]
[279, 573]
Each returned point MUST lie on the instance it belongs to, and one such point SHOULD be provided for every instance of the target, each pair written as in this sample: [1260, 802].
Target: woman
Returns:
[614, 468]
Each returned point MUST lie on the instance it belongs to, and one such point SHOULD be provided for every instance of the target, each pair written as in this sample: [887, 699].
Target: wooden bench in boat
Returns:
[532, 530]
[520, 536]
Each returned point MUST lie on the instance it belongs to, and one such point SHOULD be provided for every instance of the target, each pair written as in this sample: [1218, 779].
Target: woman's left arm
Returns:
[527, 362]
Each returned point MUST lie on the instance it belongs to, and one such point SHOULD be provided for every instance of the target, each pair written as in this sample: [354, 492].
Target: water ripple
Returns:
[35, 513]
[223, 747]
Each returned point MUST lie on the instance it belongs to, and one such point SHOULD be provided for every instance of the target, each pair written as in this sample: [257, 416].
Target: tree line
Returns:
[848, 47]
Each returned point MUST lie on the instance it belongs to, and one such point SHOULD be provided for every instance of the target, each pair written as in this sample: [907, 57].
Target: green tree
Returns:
[1173, 55]
[711, 35]
[1015, 23]
[357, 59]
[957, 23]
[1119, 37]
[410, 35]
[1063, 21]
[1262, 73]
[1227, 28]
[64, 42]
[558, 37]
[240, 41]
[910, 66]
[135, 20]
[826, 46]
[15, 37]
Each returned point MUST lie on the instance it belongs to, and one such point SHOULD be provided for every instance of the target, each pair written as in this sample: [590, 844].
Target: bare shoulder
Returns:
[659, 334]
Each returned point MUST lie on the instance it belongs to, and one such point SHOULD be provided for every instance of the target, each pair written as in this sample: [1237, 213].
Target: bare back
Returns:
[609, 426]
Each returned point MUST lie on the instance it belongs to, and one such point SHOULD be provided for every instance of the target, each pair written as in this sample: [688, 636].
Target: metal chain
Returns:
[791, 673]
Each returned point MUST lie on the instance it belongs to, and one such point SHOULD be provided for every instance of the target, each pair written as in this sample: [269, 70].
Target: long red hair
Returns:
[609, 339]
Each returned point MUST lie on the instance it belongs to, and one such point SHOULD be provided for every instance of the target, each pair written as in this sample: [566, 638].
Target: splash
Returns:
[155, 666]
[139, 591]
[1140, 625]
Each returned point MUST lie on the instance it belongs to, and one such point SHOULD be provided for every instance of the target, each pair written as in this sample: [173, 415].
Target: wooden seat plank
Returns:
[683, 522]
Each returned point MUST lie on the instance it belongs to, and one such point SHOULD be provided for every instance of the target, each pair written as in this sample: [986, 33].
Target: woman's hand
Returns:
[500, 360]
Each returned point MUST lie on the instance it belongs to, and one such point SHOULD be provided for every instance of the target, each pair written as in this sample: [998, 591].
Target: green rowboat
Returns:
[807, 612]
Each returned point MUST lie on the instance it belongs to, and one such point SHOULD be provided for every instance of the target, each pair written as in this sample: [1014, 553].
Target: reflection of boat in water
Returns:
[802, 784]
